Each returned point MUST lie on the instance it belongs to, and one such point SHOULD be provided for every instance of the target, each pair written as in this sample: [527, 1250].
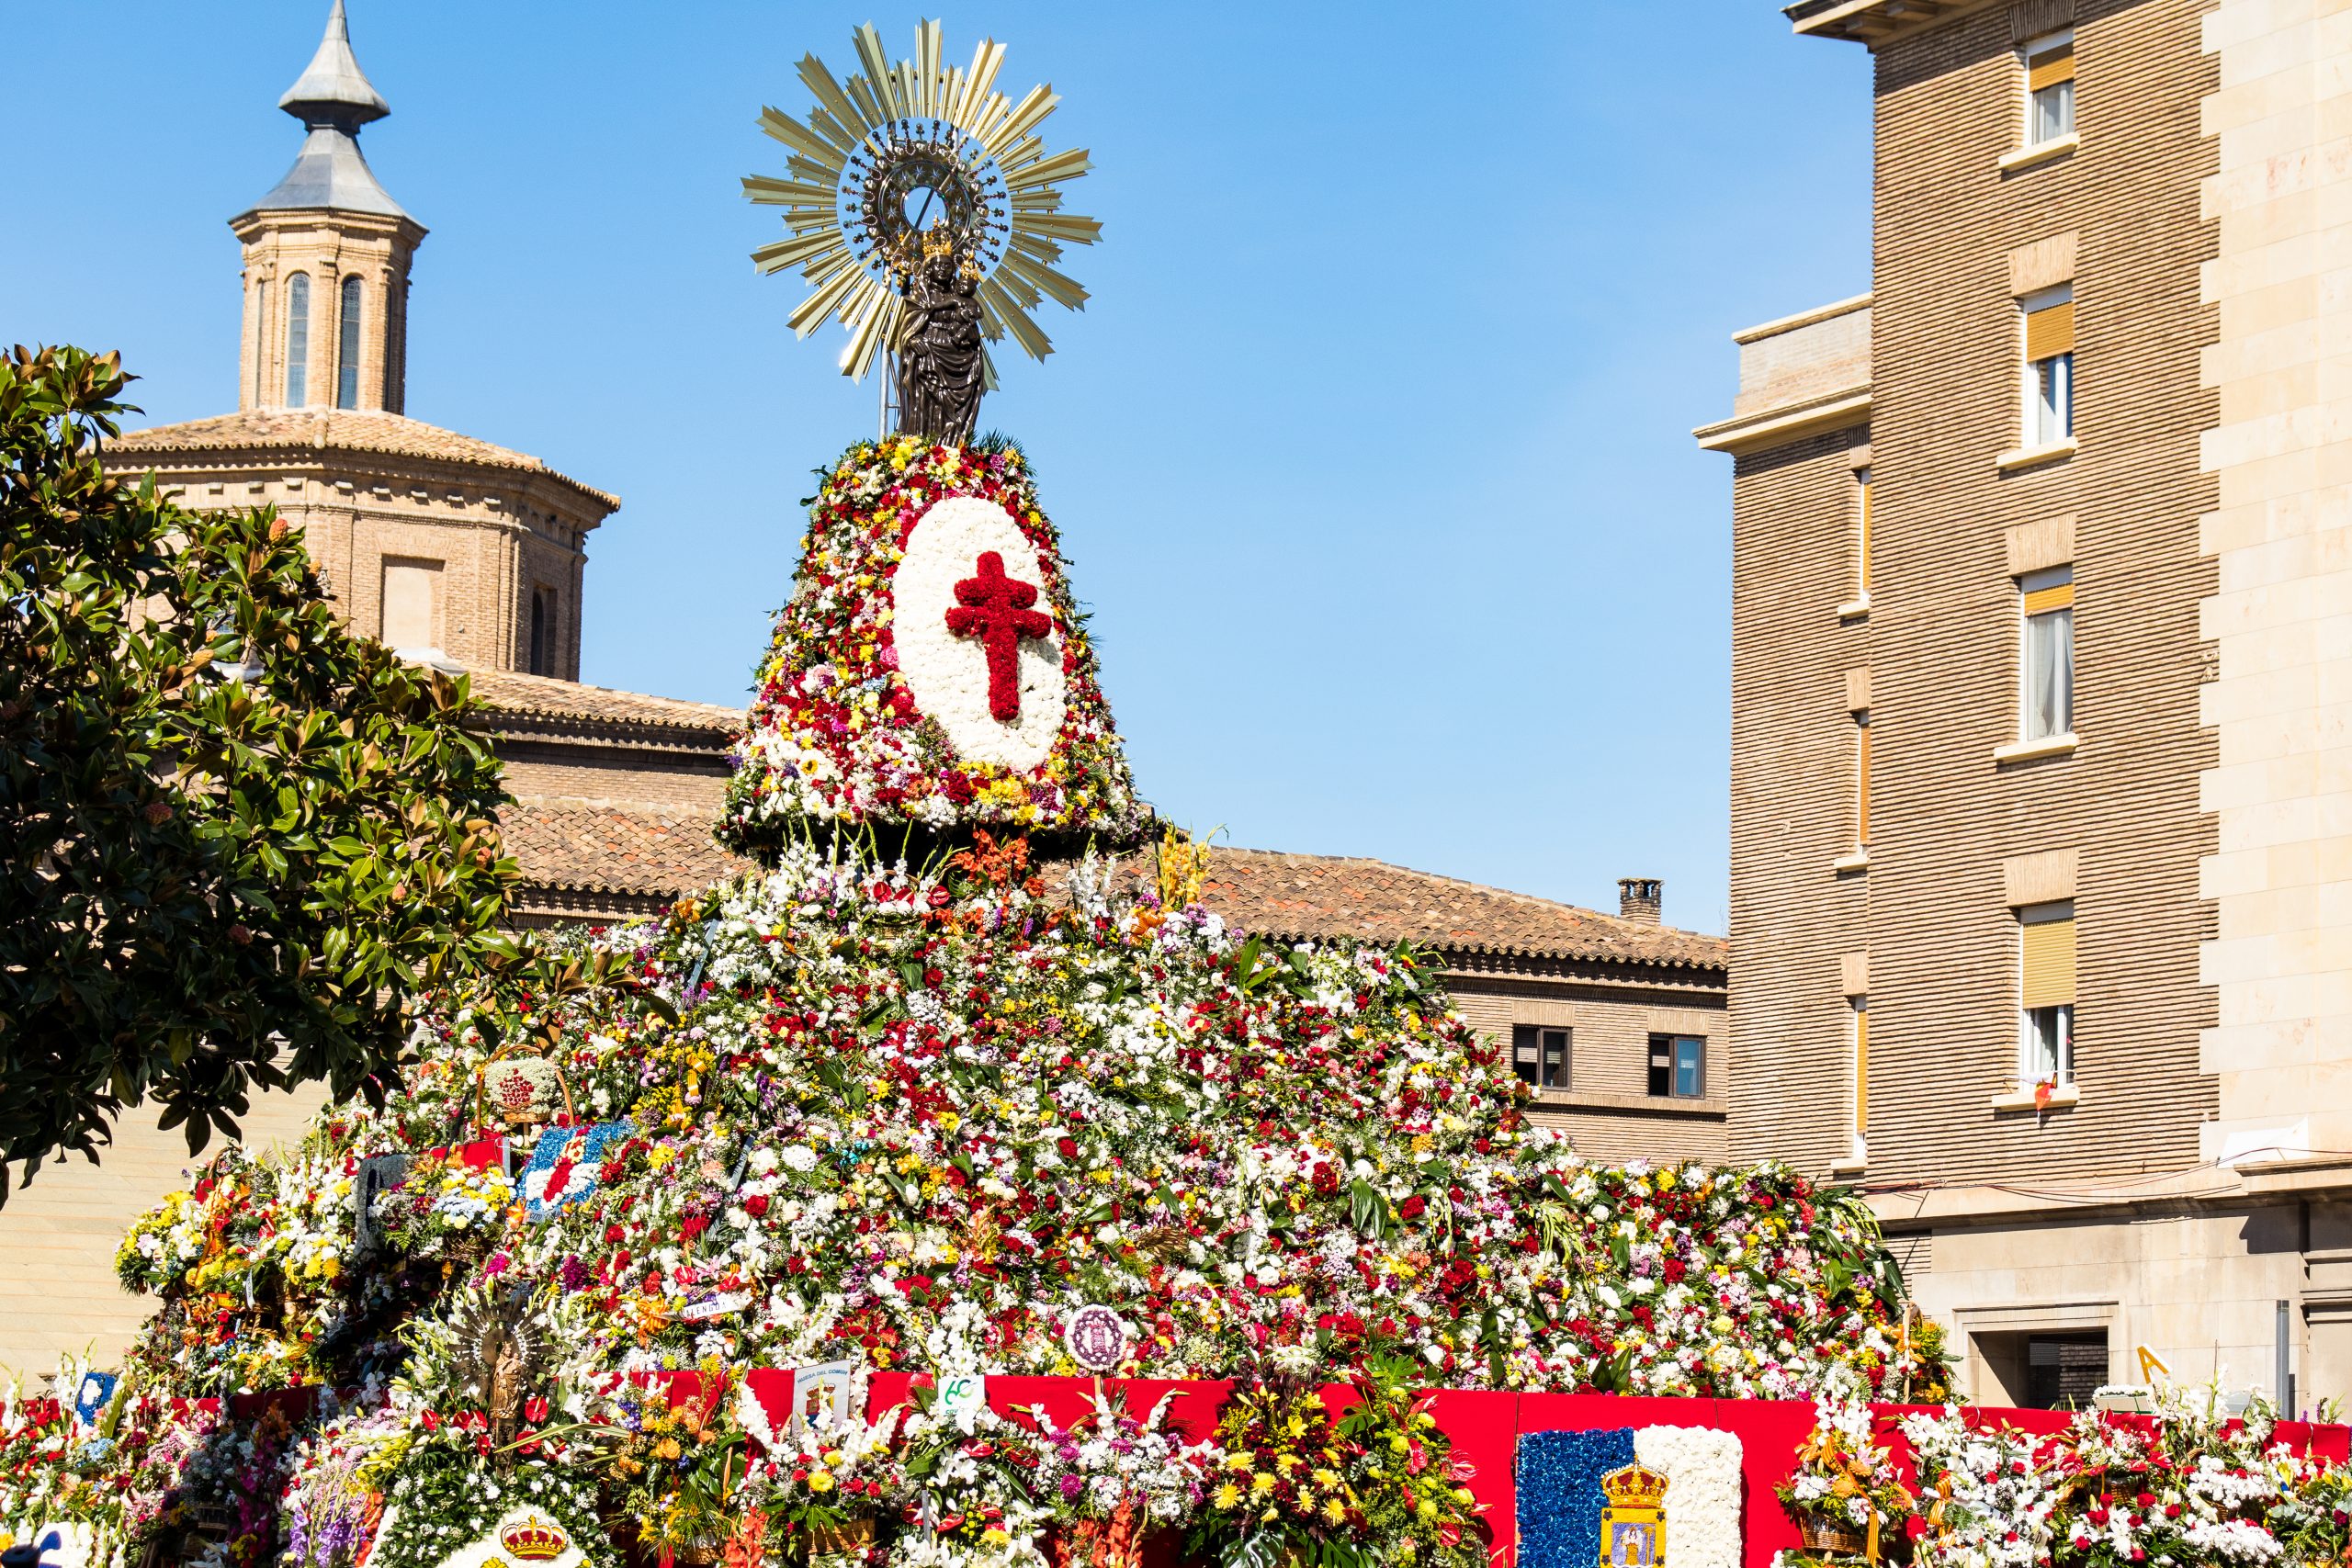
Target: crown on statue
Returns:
[1636, 1486]
[535, 1540]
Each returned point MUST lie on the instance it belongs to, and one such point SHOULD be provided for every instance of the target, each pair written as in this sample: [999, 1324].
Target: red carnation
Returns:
[1068, 1148]
[756, 1204]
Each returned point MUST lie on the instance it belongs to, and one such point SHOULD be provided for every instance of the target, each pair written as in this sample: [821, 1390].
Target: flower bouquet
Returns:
[1844, 1495]
[1111, 1479]
[1283, 1493]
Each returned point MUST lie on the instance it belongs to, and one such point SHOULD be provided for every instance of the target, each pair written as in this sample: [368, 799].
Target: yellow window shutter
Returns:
[2050, 963]
[1862, 1070]
[2059, 598]
[2051, 67]
[2049, 331]
[1862, 802]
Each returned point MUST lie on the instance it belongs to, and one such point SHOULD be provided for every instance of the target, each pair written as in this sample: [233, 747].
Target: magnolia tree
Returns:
[235, 839]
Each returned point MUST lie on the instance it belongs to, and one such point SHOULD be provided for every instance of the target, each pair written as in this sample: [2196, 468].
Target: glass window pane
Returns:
[2049, 674]
[346, 386]
[2048, 1047]
[2054, 111]
[1523, 1052]
[298, 340]
[1690, 1067]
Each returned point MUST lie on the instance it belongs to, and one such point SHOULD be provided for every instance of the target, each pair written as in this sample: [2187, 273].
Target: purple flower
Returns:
[1072, 1486]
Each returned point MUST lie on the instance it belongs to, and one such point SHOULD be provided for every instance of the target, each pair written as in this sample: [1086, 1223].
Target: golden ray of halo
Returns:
[864, 117]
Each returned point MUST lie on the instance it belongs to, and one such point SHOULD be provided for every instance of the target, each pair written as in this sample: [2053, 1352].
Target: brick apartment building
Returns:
[2041, 803]
[469, 555]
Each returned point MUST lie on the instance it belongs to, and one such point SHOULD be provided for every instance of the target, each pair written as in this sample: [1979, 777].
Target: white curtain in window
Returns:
[2049, 674]
[2053, 400]
[2048, 1047]
[2054, 111]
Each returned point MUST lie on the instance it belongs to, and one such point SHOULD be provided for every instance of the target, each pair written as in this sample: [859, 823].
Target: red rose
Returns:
[1411, 1208]
[1068, 1148]
[756, 1204]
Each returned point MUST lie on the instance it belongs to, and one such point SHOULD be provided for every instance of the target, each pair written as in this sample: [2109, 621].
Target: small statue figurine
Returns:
[940, 372]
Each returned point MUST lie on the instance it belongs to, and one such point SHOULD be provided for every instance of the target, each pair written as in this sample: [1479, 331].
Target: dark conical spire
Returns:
[332, 90]
[334, 98]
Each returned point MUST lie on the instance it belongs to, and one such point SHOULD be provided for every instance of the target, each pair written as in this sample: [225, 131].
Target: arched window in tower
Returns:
[298, 340]
[346, 359]
[540, 631]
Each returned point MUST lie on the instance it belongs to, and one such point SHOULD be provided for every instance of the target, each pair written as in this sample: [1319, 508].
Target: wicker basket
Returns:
[488, 1111]
[843, 1543]
[1827, 1536]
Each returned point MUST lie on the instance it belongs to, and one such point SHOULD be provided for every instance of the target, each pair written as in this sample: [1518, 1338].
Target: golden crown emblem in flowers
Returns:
[1636, 1486]
[1633, 1527]
[534, 1540]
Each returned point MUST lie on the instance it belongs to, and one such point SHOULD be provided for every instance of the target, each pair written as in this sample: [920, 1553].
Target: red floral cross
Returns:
[995, 608]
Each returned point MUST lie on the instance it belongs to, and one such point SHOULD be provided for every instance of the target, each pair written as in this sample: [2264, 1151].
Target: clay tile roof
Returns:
[539, 695]
[611, 849]
[1328, 896]
[349, 430]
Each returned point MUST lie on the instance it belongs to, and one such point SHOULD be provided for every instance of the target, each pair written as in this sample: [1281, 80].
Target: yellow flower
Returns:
[1333, 1511]
[995, 1538]
[1262, 1484]
[821, 1481]
[1228, 1496]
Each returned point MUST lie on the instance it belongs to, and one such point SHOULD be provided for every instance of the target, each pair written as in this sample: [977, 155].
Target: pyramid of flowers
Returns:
[920, 1108]
[932, 669]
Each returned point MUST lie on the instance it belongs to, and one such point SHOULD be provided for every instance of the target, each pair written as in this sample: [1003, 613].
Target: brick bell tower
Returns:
[327, 256]
[451, 550]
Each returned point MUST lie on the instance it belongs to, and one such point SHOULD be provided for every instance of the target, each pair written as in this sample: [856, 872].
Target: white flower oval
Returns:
[949, 674]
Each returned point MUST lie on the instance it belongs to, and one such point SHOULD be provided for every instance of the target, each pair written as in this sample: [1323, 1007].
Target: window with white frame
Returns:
[1540, 1056]
[2046, 995]
[1862, 1075]
[2046, 705]
[2049, 88]
[2049, 322]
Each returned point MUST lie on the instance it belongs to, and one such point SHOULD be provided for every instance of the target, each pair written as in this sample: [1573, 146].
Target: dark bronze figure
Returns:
[941, 375]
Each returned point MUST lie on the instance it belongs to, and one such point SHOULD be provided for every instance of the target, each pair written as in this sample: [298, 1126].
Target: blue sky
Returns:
[1371, 452]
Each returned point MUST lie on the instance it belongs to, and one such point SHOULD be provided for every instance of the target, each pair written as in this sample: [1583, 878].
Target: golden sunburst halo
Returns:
[891, 148]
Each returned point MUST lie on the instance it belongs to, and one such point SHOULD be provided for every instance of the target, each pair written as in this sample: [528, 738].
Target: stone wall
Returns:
[58, 1294]
[1957, 231]
[2277, 113]
[1798, 907]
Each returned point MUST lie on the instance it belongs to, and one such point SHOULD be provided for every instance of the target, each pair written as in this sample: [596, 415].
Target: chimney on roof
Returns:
[1640, 899]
